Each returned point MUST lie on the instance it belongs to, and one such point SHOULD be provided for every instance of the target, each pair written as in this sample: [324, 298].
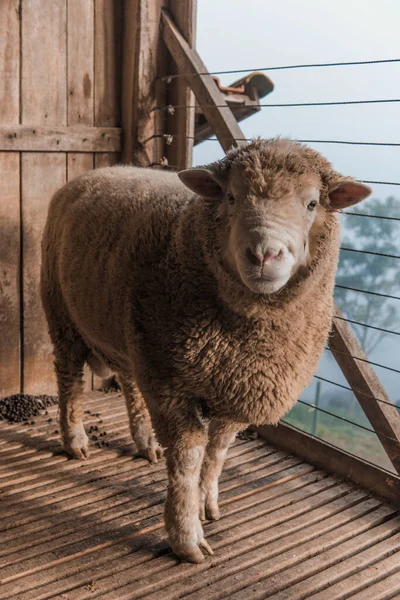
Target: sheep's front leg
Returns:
[221, 435]
[140, 421]
[185, 438]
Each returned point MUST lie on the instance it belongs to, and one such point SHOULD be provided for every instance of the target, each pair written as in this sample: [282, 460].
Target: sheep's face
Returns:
[265, 235]
[267, 227]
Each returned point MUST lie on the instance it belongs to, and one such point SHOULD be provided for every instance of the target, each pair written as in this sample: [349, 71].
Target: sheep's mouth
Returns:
[263, 284]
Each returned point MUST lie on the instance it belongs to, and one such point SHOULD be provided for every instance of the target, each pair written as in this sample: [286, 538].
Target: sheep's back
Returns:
[101, 228]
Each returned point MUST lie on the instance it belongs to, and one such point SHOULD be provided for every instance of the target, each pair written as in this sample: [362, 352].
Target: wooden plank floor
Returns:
[82, 530]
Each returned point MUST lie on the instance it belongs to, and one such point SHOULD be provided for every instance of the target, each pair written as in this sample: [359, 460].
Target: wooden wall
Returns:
[60, 65]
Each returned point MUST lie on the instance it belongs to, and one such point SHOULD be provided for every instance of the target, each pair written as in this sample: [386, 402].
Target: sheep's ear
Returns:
[202, 182]
[345, 192]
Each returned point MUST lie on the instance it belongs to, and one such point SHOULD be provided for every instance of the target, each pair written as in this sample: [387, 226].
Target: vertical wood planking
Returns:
[108, 47]
[129, 61]
[181, 123]
[9, 203]
[44, 93]
[9, 61]
[105, 159]
[42, 175]
[79, 163]
[80, 60]
[107, 73]
[44, 62]
[9, 274]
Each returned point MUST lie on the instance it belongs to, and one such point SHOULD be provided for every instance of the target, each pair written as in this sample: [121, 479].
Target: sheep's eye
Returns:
[231, 198]
[312, 205]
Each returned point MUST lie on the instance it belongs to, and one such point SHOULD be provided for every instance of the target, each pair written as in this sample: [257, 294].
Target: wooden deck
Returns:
[83, 530]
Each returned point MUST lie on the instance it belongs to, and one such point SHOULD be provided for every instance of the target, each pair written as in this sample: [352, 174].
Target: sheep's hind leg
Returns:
[184, 435]
[69, 364]
[140, 421]
[220, 436]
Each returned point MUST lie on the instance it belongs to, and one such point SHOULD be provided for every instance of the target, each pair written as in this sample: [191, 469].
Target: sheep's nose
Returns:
[262, 257]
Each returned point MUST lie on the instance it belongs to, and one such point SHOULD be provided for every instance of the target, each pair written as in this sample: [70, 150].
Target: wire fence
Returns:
[367, 325]
[174, 107]
[346, 420]
[370, 252]
[170, 139]
[369, 215]
[170, 109]
[354, 63]
[345, 287]
[301, 431]
[349, 421]
[354, 390]
[370, 362]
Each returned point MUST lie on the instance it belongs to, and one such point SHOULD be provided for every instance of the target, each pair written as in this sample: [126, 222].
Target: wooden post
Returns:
[181, 124]
[144, 62]
[385, 419]
[214, 106]
[367, 387]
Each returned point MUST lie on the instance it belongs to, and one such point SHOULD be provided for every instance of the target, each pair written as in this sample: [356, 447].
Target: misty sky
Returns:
[234, 34]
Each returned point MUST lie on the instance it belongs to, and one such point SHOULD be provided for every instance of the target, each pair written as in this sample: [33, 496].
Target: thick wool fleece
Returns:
[131, 266]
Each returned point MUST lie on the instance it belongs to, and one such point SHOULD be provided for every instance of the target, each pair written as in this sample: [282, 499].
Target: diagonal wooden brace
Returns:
[366, 386]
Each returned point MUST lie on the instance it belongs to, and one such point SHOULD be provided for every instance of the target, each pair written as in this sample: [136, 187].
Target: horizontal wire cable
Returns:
[370, 252]
[366, 325]
[345, 287]
[380, 183]
[370, 216]
[370, 362]
[350, 143]
[344, 142]
[284, 104]
[286, 67]
[331, 414]
[353, 390]
[315, 437]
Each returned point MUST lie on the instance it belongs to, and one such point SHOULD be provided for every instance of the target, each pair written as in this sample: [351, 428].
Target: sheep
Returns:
[209, 292]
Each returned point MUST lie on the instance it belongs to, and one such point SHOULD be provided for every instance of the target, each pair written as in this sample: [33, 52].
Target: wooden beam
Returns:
[42, 138]
[241, 106]
[330, 458]
[181, 124]
[144, 62]
[214, 106]
[367, 387]
[385, 419]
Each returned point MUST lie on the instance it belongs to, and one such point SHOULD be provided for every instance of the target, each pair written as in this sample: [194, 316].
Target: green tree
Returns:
[370, 272]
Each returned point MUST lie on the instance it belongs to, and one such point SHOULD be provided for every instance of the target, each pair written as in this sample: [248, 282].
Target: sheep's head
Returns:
[273, 197]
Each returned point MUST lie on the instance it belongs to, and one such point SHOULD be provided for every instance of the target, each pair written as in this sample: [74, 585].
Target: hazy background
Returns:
[252, 34]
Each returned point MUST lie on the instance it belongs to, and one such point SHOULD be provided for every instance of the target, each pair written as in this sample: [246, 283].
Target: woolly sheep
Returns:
[210, 303]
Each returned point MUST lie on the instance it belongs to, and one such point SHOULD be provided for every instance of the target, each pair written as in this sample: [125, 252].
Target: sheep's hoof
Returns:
[151, 453]
[212, 512]
[148, 446]
[209, 511]
[193, 552]
[76, 445]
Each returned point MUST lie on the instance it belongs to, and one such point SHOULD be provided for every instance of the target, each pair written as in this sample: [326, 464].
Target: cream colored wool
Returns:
[133, 274]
